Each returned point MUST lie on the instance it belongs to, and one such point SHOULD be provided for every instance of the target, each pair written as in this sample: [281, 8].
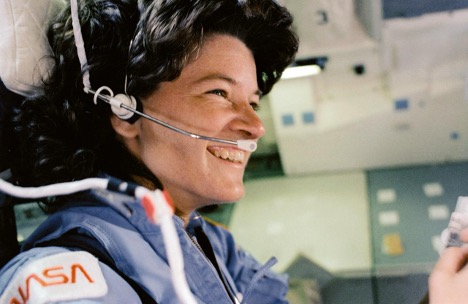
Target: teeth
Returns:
[232, 155]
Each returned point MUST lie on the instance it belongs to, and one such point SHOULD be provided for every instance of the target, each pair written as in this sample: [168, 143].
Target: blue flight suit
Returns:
[135, 246]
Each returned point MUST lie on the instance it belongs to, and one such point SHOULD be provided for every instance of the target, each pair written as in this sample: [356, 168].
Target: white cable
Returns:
[53, 190]
[80, 44]
[161, 213]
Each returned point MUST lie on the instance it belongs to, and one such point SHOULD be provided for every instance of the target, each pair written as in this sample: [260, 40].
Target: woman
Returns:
[199, 65]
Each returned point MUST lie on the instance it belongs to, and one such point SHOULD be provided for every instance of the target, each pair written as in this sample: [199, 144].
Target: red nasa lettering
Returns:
[50, 276]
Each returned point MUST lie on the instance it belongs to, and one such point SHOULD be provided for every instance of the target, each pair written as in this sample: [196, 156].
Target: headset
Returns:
[126, 106]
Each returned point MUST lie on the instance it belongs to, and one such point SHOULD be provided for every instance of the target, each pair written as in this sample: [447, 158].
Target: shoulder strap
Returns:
[74, 240]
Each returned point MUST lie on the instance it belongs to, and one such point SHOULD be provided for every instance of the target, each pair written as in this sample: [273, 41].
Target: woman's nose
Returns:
[249, 123]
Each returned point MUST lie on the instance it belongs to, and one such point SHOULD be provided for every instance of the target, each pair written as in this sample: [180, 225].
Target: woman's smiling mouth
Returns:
[233, 155]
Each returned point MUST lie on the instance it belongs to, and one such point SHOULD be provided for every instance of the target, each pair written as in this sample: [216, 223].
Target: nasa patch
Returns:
[60, 277]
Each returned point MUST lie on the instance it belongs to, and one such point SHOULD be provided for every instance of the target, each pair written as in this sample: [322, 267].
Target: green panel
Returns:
[415, 228]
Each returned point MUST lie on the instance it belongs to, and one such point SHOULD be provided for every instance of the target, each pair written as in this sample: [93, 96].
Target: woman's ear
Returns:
[124, 128]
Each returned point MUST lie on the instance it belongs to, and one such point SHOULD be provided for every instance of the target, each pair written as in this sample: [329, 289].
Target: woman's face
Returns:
[216, 95]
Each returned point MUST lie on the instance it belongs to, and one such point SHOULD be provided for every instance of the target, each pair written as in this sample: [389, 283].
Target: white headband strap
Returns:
[80, 44]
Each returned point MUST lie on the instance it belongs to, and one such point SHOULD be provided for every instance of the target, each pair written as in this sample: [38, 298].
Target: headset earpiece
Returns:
[123, 113]
[126, 114]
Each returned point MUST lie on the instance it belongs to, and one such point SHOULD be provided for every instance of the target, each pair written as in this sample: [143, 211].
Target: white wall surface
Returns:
[323, 217]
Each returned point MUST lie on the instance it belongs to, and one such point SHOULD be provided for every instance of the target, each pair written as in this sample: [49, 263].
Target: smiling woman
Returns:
[200, 66]
[214, 99]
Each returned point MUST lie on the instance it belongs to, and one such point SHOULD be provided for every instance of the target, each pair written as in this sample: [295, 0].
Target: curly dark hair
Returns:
[62, 135]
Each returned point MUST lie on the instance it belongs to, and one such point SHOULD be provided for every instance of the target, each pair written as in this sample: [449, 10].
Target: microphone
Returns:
[122, 101]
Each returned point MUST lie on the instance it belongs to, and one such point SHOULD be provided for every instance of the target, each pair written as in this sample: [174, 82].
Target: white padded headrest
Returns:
[23, 42]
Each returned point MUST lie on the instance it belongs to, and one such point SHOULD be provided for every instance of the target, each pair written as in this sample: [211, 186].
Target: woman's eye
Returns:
[220, 93]
[255, 106]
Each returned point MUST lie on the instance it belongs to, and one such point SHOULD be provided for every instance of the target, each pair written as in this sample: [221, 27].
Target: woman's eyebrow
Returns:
[216, 76]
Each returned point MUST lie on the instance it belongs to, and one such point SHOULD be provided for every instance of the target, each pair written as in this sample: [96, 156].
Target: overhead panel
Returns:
[402, 100]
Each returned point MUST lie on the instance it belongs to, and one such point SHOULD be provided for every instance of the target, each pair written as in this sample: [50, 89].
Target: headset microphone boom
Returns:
[125, 106]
